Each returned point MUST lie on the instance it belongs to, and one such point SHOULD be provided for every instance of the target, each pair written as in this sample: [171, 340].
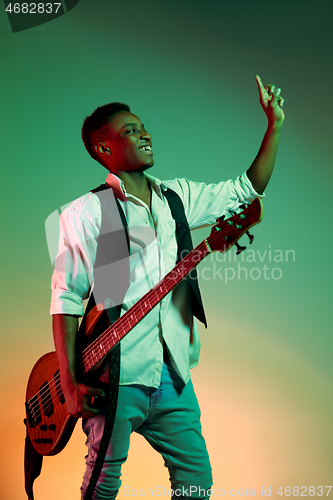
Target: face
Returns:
[127, 144]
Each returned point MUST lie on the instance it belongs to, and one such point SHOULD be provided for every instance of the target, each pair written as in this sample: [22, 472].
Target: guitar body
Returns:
[48, 422]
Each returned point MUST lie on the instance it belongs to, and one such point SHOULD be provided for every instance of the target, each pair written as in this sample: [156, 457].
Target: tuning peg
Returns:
[251, 237]
[239, 248]
[220, 218]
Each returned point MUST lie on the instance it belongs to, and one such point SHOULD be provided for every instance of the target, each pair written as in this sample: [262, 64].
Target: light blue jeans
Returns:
[169, 419]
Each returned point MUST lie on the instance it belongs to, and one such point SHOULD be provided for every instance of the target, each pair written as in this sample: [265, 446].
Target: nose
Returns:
[145, 135]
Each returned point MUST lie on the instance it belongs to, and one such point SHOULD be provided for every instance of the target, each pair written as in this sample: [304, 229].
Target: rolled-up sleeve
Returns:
[204, 203]
[73, 266]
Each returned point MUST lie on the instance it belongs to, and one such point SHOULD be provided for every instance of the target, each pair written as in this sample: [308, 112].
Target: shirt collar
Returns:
[118, 186]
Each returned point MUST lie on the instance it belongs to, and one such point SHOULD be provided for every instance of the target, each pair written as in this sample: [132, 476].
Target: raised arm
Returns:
[261, 169]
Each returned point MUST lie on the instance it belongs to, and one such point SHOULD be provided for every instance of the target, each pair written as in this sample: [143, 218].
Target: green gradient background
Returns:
[187, 69]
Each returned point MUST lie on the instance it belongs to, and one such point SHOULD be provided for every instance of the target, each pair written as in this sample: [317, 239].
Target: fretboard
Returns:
[108, 339]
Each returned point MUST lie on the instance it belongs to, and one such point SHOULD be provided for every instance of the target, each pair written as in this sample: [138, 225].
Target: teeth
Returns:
[146, 148]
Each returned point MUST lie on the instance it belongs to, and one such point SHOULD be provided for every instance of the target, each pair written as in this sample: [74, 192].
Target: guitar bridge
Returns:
[33, 412]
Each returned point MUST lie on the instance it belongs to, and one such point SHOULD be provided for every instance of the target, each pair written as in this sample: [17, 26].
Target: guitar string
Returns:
[52, 386]
[136, 308]
[127, 324]
[188, 261]
[45, 398]
[48, 391]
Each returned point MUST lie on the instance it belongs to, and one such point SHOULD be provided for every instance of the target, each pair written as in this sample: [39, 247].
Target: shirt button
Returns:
[146, 222]
[157, 368]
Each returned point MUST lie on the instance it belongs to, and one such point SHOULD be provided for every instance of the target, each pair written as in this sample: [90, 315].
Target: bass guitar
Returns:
[48, 423]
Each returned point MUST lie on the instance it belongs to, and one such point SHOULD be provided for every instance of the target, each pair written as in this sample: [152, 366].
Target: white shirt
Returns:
[153, 253]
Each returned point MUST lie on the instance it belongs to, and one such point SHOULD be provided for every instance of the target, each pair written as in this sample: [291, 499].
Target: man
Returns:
[156, 397]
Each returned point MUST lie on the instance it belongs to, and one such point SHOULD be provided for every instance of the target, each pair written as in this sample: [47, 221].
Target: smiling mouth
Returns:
[146, 149]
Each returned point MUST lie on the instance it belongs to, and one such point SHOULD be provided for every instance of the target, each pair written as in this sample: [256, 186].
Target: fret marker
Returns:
[207, 245]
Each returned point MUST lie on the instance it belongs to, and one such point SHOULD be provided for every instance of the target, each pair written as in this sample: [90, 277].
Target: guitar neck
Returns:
[98, 349]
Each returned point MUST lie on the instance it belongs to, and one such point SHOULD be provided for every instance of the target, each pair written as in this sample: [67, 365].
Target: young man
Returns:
[156, 397]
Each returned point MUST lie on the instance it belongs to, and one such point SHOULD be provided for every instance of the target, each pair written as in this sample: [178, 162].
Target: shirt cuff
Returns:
[66, 302]
[247, 186]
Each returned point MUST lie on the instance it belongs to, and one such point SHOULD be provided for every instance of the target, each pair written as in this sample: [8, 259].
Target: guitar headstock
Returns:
[228, 231]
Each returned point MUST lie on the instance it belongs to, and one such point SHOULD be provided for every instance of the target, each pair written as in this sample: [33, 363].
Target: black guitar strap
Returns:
[184, 242]
[32, 465]
[112, 252]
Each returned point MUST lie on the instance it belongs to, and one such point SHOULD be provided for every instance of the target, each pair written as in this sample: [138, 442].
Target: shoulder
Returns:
[86, 208]
[181, 186]
[186, 189]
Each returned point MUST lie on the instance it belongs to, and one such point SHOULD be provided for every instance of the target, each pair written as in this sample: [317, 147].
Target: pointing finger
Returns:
[259, 82]
[260, 85]
[262, 91]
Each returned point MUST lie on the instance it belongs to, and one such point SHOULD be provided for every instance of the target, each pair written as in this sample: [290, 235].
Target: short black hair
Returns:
[98, 119]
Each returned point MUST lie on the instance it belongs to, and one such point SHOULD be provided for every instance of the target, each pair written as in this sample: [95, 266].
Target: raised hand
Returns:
[271, 101]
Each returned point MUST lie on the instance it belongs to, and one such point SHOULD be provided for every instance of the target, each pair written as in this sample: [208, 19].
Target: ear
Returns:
[102, 149]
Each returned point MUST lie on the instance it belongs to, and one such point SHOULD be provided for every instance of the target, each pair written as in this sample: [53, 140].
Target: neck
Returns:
[137, 184]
